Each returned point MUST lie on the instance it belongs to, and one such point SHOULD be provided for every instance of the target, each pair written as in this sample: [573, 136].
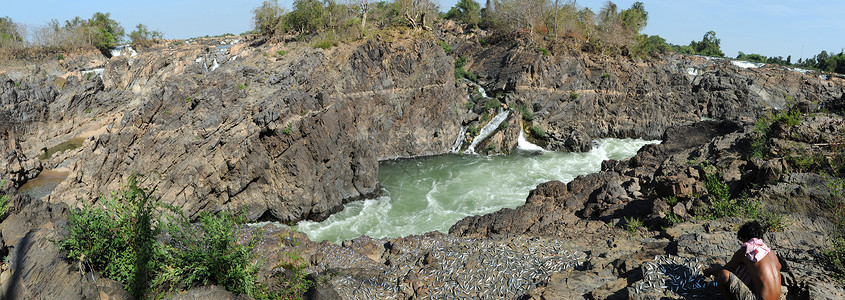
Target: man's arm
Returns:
[735, 261]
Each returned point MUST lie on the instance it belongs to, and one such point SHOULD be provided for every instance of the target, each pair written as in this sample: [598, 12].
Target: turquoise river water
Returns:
[434, 193]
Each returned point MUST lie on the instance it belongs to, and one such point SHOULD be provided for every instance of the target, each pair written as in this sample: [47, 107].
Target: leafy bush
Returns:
[774, 222]
[573, 95]
[209, 253]
[632, 225]
[467, 11]
[543, 51]
[527, 115]
[4, 202]
[288, 130]
[143, 37]
[538, 131]
[764, 124]
[473, 131]
[326, 41]
[281, 53]
[268, 19]
[117, 237]
[460, 72]
[445, 46]
[295, 283]
[721, 204]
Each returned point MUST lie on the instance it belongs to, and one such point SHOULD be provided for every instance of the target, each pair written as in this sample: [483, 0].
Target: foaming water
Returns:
[746, 64]
[433, 193]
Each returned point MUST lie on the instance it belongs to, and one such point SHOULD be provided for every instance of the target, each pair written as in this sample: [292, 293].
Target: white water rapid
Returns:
[746, 64]
[433, 193]
[525, 145]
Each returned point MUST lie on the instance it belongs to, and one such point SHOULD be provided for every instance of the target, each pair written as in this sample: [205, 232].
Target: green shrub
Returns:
[836, 255]
[672, 200]
[483, 42]
[721, 204]
[209, 253]
[538, 131]
[446, 47]
[543, 51]
[573, 95]
[288, 130]
[242, 87]
[143, 37]
[632, 225]
[295, 284]
[673, 219]
[281, 53]
[467, 11]
[60, 57]
[504, 126]
[492, 104]
[326, 41]
[4, 202]
[774, 222]
[460, 72]
[117, 237]
[473, 131]
[605, 75]
[764, 124]
[527, 115]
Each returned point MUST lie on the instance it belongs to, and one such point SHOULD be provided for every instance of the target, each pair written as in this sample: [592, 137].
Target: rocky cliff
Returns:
[287, 132]
[284, 137]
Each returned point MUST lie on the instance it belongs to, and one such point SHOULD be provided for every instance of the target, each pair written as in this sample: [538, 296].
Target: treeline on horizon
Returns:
[100, 32]
[546, 24]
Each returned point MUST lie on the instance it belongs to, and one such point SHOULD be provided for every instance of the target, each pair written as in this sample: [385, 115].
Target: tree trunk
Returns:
[556, 13]
[365, 7]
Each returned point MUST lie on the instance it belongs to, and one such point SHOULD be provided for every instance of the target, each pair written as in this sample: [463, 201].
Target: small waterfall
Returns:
[487, 130]
[460, 140]
[525, 145]
[214, 65]
[123, 50]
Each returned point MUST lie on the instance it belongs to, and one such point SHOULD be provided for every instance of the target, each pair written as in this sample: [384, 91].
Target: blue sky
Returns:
[768, 27]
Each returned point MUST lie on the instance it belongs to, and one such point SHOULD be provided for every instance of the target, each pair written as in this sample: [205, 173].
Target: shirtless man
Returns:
[753, 263]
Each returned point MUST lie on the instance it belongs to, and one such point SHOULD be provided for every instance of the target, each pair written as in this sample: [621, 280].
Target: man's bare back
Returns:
[765, 276]
[764, 273]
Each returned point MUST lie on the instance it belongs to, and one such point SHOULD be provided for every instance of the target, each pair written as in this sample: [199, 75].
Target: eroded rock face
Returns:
[577, 97]
[287, 140]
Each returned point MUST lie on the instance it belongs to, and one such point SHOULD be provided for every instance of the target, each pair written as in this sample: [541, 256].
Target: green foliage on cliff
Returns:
[835, 253]
[460, 73]
[466, 11]
[153, 249]
[143, 37]
[708, 46]
[117, 237]
[4, 202]
[208, 253]
[10, 35]
[721, 202]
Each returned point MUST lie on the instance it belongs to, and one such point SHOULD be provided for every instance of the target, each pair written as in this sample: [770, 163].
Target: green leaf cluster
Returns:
[153, 249]
[467, 11]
